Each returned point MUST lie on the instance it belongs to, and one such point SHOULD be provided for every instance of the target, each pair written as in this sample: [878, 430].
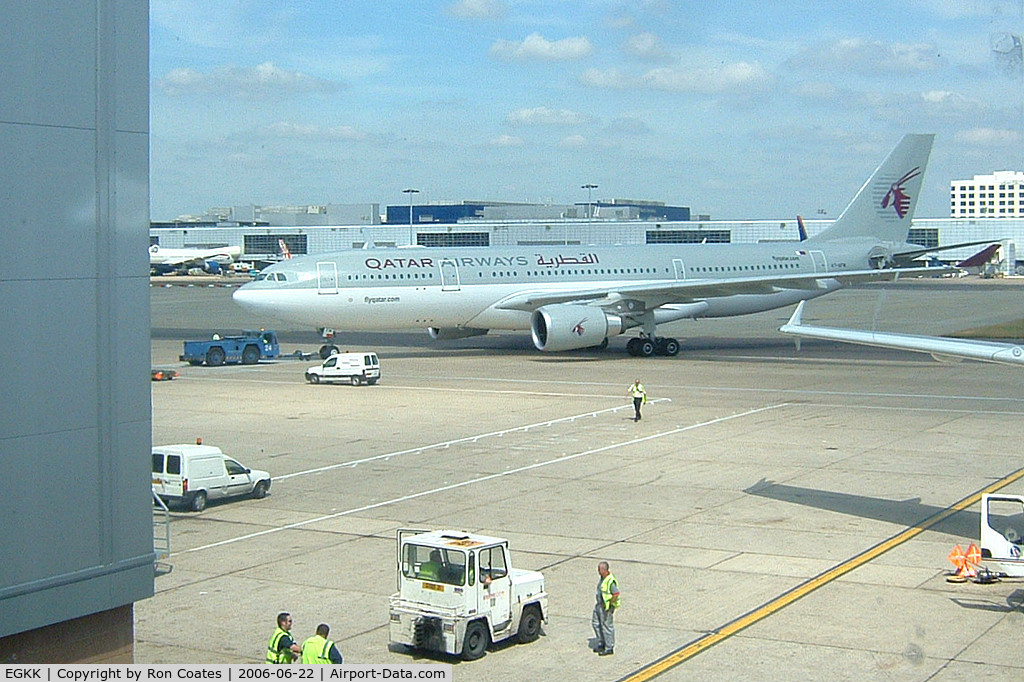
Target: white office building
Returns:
[1000, 195]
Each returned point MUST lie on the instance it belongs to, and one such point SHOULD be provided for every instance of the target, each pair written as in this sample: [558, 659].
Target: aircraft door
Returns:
[680, 269]
[818, 258]
[449, 275]
[327, 278]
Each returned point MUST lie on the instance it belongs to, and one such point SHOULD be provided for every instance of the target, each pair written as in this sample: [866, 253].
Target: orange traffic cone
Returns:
[959, 561]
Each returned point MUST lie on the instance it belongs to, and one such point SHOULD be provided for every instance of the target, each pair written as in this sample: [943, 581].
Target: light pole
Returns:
[590, 208]
[410, 191]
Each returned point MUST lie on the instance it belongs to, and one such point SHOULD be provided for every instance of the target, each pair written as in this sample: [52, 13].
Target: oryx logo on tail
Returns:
[897, 195]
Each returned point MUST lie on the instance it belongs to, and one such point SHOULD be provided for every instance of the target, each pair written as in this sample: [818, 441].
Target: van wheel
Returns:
[529, 625]
[355, 381]
[259, 491]
[474, 645]
[215, 356]
[313, 378]
[198, 502]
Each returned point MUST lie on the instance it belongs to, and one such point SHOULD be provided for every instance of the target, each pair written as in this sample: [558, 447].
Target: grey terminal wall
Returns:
[75, 508]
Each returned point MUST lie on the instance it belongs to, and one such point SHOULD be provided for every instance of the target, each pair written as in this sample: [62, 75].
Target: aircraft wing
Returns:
[938, 346]
[684, 291]
[907, 256]
[176, 261]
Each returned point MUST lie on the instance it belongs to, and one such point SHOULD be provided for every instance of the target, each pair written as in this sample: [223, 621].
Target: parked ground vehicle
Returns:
[1002, 533]
[457, 593]
[189, 475]
[249, 347]
[353, 367]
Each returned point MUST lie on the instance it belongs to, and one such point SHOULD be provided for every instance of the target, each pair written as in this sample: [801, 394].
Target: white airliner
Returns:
[578, 297]
[163, 260]
[939, 347]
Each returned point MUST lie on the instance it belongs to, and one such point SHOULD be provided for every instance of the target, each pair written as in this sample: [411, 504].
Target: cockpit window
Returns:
[272, 277]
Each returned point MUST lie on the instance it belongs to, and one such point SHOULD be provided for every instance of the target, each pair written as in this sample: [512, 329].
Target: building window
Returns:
[268, 243]
[448, 239]
[926, 237]
[689, 236]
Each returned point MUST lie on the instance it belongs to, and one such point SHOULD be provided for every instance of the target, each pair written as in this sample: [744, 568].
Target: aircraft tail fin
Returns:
[980, 258]
[285, 253]
[884, 206]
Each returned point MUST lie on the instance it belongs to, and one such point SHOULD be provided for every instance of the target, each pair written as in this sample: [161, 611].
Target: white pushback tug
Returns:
[458, 593]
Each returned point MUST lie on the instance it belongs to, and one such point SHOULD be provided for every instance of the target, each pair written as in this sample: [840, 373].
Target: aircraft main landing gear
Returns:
[644, 347]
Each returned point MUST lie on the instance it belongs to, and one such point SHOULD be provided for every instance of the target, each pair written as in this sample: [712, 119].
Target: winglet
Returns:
[795, 320]
[801, 230]
[798, 314]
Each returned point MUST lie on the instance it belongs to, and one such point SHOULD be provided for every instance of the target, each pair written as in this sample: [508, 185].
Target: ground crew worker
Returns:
[639, 396]
[603, 620]
[320, 650]
[282, 648]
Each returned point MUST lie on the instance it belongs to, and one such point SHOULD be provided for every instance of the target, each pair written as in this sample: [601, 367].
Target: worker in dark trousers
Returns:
[639, 395]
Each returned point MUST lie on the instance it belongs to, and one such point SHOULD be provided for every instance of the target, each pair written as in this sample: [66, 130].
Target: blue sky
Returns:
[739, 110]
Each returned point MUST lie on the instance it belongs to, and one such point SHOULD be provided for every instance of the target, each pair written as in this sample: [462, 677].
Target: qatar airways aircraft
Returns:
[578, 297]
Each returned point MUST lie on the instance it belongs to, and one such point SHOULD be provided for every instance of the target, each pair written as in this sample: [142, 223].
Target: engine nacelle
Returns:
[567, 327]
[449, 333]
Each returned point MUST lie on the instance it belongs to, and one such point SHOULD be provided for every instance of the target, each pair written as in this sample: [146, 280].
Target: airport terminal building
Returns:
[260, 243]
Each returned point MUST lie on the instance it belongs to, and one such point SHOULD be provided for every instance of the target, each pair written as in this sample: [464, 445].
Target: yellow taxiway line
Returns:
[688, 651]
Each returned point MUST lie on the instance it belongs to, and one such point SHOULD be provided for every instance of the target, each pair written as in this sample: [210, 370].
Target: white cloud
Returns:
[507, 141]
[989, 137]
[313, 132]
[542, 116]
[262, 80]
[745, 77]
[613, 79]
[573, 142]
[736, 77]
[647, 47]
[536, 47]
[628, 125]
[871, 57]
[477, 9]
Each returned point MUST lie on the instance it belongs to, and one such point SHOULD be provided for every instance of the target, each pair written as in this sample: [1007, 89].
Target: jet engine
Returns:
[567, 326]
[449, 333]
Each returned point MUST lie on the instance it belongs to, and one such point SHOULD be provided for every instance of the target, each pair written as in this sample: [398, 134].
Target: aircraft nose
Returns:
[246, 297]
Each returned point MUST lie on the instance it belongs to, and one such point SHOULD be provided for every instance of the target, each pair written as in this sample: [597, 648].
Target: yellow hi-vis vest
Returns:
[273, 655]
[317, 650]
[637, 391]
[606, 591]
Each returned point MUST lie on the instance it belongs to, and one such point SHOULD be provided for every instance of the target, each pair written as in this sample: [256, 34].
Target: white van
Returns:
[353, 367]
[190, 475]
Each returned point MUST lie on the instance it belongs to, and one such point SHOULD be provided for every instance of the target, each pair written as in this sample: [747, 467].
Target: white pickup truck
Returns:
[352, 367]
[458, 593]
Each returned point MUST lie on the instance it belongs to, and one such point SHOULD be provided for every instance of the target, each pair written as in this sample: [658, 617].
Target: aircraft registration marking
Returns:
[722, 633]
